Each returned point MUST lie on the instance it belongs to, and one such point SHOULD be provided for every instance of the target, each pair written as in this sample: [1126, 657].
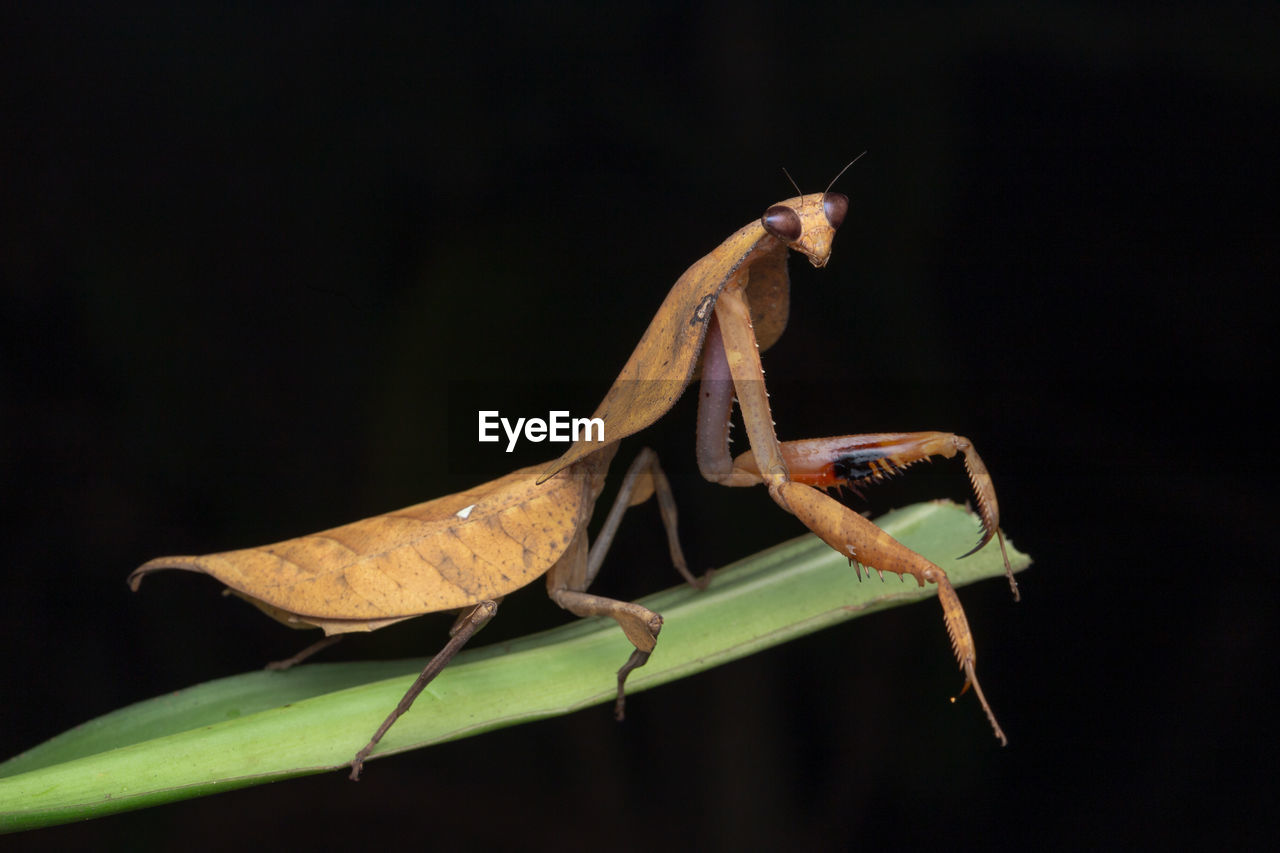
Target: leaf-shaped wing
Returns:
[439, 555]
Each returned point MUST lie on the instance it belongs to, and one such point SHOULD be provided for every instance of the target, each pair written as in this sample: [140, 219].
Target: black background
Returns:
[261, 268]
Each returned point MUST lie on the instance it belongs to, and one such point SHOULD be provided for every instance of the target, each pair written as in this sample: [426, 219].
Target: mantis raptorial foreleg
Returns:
[850, 460]
[731, 360]
[845, 460]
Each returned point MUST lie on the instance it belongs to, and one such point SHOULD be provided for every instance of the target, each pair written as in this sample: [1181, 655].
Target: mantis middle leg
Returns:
[568, 580]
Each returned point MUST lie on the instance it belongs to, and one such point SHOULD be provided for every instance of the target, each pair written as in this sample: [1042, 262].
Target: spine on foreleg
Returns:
[852, 535]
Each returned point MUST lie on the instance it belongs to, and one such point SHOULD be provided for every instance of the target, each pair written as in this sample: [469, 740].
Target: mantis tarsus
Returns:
[464, 552]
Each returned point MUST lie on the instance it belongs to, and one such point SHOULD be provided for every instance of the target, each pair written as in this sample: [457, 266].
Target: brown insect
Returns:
[464, 552]
[720, 315]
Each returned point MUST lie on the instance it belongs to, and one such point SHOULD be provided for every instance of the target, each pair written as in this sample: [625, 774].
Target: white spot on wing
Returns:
[465, 511]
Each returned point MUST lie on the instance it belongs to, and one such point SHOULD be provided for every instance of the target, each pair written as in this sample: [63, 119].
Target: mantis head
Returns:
[808, 223]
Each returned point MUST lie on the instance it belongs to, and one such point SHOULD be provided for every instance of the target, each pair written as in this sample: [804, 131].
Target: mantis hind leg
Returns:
[317, 646]
[468, 623]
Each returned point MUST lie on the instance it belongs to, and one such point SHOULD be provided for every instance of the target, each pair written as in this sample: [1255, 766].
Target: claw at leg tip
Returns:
[972, 680]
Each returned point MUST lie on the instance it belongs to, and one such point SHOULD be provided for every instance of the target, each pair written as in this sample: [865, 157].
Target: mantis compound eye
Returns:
[835, 206]
[782, 222]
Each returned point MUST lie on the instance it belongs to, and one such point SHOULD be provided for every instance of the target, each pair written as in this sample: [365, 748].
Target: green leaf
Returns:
[266, 726]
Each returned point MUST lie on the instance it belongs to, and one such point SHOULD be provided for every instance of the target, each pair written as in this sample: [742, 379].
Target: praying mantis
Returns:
[465, 551]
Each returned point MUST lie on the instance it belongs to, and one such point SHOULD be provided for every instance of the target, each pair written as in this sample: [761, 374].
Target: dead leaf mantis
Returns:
[466, 551]
[720, 315]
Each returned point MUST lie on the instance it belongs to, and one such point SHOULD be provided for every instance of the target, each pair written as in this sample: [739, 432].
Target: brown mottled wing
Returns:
[439, 555]
[664, 361]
